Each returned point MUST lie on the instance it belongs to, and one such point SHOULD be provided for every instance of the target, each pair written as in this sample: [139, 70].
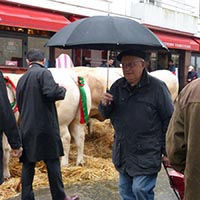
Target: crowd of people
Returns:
[148, 128]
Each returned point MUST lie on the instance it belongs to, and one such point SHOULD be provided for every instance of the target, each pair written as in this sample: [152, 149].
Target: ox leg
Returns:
[66, 138]
[78, 133]
[6, 157]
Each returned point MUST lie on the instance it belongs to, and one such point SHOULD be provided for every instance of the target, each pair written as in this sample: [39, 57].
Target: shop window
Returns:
[198, 65]
[152, 61]
[175, 58]
[14, 42]
[195, 62]
[38, 43]
[10, 48]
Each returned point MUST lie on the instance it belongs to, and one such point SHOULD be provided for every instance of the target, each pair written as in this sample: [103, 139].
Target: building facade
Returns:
[25, 24]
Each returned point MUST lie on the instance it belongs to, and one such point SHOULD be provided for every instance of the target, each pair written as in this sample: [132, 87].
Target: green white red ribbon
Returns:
[12, 88]
[84, 118]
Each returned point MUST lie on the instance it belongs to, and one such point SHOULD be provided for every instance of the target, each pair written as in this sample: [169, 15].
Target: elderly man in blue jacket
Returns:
[140, 108]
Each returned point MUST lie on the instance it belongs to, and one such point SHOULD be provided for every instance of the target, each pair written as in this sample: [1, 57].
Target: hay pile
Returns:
[98, 164]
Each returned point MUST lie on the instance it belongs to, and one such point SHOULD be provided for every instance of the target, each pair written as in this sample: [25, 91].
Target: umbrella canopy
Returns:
[106, 33]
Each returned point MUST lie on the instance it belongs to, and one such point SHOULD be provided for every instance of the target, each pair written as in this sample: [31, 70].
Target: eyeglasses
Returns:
[131, 64]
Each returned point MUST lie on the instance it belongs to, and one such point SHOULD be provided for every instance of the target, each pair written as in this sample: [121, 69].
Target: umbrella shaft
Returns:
[107, 86]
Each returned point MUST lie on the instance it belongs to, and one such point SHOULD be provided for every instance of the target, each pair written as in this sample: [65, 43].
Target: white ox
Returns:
[6, 146]
[170, 79]
[68, 115]
[97, 81]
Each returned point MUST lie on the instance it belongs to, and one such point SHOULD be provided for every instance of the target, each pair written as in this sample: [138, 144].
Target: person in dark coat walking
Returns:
[36, 96]
[8, 125]
[140, 107]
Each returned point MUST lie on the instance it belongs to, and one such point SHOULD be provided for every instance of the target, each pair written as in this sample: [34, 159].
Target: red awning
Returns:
[178, 41]
[74, 18]
[198, 41]
[29, 18]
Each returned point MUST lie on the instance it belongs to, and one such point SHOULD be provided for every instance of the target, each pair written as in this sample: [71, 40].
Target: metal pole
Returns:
[108, 52]
[107, 85]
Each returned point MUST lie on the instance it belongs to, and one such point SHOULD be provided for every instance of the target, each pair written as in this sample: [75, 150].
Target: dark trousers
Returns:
[54, 176]
[1, 161]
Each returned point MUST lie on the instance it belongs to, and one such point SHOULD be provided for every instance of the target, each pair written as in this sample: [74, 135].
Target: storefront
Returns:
[24, 28]
[184, 50]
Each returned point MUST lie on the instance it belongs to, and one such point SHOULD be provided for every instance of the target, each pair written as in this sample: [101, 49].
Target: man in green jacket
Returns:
[183, 139]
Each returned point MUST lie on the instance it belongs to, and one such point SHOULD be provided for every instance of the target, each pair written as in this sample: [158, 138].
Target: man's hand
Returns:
[165, 160]
[16, 153]
[106, 99]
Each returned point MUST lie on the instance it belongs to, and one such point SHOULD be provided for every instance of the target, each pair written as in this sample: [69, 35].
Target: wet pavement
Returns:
[107, 190]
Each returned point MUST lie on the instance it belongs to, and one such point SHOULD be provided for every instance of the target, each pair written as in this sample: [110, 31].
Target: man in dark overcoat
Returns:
[36, 96]
[8, 126]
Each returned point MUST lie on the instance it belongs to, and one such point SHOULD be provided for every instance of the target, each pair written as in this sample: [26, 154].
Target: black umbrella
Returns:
[106, 33]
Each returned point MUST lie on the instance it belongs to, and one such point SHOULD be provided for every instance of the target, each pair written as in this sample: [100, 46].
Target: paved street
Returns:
[107, 190]
[163, 190]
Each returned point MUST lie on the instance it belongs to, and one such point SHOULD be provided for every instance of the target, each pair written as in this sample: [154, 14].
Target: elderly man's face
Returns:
[132, 68]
